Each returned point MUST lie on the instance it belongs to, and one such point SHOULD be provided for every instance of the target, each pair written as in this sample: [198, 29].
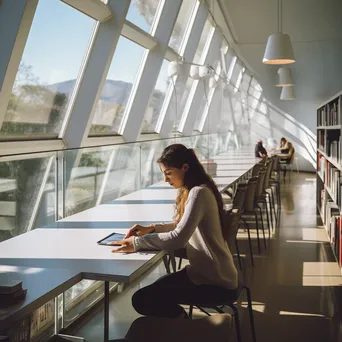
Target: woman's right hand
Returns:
[138, 230]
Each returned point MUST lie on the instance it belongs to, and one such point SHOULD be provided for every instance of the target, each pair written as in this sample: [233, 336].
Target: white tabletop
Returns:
[43, 284]
[75, 250]
[150, 194]
[125, 212]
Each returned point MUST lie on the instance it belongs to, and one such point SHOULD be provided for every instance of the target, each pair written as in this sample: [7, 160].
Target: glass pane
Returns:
[142, 13]
[156, 100]
[117, 87]
[182, 23]
[48, 71]
[204, 84]
[22, 205]
[203, 40]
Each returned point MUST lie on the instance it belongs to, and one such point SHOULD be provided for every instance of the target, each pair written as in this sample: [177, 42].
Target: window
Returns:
[156, 100]
[48, 70]
[245, 82]
[182, 23]
[142, 13]
[198, 59]
[117, 88]
[204, 84]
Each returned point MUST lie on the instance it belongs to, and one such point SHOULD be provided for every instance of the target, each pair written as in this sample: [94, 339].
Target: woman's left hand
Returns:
[127, 246]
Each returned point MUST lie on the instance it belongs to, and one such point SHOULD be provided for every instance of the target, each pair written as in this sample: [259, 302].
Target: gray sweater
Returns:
[199, 230]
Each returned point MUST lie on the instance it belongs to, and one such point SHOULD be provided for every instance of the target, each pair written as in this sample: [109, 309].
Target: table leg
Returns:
[106, 312]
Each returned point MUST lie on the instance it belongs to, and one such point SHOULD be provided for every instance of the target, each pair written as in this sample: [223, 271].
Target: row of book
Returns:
[334, 150]
[330, 114]
[332, 180]
[333, 225]
[321, 140]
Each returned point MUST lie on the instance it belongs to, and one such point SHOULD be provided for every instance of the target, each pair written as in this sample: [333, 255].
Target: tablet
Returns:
[110, 238]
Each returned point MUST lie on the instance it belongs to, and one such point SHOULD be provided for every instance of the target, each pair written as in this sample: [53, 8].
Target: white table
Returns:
[44, 284]
[75, 251]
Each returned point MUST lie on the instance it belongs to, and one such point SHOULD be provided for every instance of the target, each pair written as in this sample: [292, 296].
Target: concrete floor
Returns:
[295, 284]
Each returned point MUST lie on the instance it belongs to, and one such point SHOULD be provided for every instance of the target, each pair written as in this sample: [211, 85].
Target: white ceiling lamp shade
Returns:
[212, 82]
[287, 93]
[279, 47]
[174, 68]
[194, 72]
[285, 77]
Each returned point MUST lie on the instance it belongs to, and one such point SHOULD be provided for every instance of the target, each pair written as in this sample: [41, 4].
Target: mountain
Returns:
[113, 91]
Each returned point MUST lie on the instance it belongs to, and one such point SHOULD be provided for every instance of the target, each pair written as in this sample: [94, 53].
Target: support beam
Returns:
[143, 88]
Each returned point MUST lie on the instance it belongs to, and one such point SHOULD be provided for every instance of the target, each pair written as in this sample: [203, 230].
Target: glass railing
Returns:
[38, 189]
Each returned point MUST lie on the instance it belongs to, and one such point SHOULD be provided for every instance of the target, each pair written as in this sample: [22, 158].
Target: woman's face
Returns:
[173, 175]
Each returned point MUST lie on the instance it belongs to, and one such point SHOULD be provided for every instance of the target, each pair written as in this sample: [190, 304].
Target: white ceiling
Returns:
[315, 28]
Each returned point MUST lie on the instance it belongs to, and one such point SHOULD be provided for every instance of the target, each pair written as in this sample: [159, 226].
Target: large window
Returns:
[182, 23]
[117, 87]
[198, 59]
[143, 13]
[156, 100]
[48, 71]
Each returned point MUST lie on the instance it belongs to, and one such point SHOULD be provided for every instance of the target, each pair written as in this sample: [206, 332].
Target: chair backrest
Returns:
[230, 227]
[292, 156]
[256, 169]
[240, 196]
[260, 183]
[269, 167]
[248, 203]
[276, 166]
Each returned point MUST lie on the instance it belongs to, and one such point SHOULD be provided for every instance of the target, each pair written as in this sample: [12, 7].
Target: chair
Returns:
[229, 232]
[249, 207]
[155, 329]
[286, 160]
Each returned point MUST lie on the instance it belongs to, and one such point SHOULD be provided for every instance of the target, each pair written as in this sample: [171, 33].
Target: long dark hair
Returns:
[177, 155]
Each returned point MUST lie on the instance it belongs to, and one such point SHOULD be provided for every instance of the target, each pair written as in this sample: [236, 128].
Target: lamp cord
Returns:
[280, 24]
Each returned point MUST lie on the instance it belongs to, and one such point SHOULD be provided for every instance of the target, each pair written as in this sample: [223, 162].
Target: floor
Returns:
[295, 284]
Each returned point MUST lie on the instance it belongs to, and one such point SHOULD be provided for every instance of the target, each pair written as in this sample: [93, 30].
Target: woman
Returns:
[284, 147]
[198, 227]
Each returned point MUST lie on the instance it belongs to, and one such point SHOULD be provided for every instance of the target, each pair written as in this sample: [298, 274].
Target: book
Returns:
[13, 298]
[10, 286]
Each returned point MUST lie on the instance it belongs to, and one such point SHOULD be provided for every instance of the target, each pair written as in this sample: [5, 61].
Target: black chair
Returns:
[229, 232]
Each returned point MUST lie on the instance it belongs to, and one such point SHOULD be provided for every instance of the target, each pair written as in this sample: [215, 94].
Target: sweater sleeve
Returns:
[164, 227]
[193, 214]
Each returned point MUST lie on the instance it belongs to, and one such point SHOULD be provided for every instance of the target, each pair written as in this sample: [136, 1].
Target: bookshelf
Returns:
[329, 171]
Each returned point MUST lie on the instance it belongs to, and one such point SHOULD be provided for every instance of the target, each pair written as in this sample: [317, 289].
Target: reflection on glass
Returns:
[20, 183]
[156, 100]
[204, 84]
[182, 23]
[142, 13]
[117, 88]
[48, 71]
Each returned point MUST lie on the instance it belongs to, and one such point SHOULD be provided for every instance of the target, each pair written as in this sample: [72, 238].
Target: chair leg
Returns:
[180, 263]
[275, 214]
[271, 204]
[190, 311]
[238, 253]
[237, 324]
[249, 240]
[262, 227]
[204, 311]
[251, 316]
[269, 207]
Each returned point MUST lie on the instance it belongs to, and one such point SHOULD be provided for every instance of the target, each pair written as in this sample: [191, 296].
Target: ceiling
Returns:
[315, 28]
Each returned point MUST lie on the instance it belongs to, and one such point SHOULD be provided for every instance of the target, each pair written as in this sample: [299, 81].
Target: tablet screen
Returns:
[110, 238]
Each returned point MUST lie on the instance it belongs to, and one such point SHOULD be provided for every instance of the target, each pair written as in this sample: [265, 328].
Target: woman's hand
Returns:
[127, 246]
[138, 230]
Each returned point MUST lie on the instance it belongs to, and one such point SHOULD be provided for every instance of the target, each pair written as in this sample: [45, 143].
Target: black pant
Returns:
[162, 298]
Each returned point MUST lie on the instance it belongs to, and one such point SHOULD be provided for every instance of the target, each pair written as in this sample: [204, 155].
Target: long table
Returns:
[68, 248]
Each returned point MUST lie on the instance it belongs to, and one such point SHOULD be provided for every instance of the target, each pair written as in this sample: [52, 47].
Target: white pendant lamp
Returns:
[287, 93]
[285, 77]
[279, 48]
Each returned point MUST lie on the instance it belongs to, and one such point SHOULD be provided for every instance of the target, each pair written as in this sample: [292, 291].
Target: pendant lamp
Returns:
[285, 77]
[287, 93]
[279, 48]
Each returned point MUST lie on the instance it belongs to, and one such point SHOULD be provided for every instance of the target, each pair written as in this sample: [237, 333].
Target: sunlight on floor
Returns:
[257, 306]
[289, 313]
[321, 274]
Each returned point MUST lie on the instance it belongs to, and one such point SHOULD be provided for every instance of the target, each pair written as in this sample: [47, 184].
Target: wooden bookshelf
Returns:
[329, 171]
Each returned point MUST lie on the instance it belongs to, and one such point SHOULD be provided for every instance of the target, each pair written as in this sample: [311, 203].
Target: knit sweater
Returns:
[199, 230]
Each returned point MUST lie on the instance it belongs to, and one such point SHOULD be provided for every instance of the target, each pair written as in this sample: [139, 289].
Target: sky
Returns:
[59, 38]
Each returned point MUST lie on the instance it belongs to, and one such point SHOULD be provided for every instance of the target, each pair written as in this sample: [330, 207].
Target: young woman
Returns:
[198, 228]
